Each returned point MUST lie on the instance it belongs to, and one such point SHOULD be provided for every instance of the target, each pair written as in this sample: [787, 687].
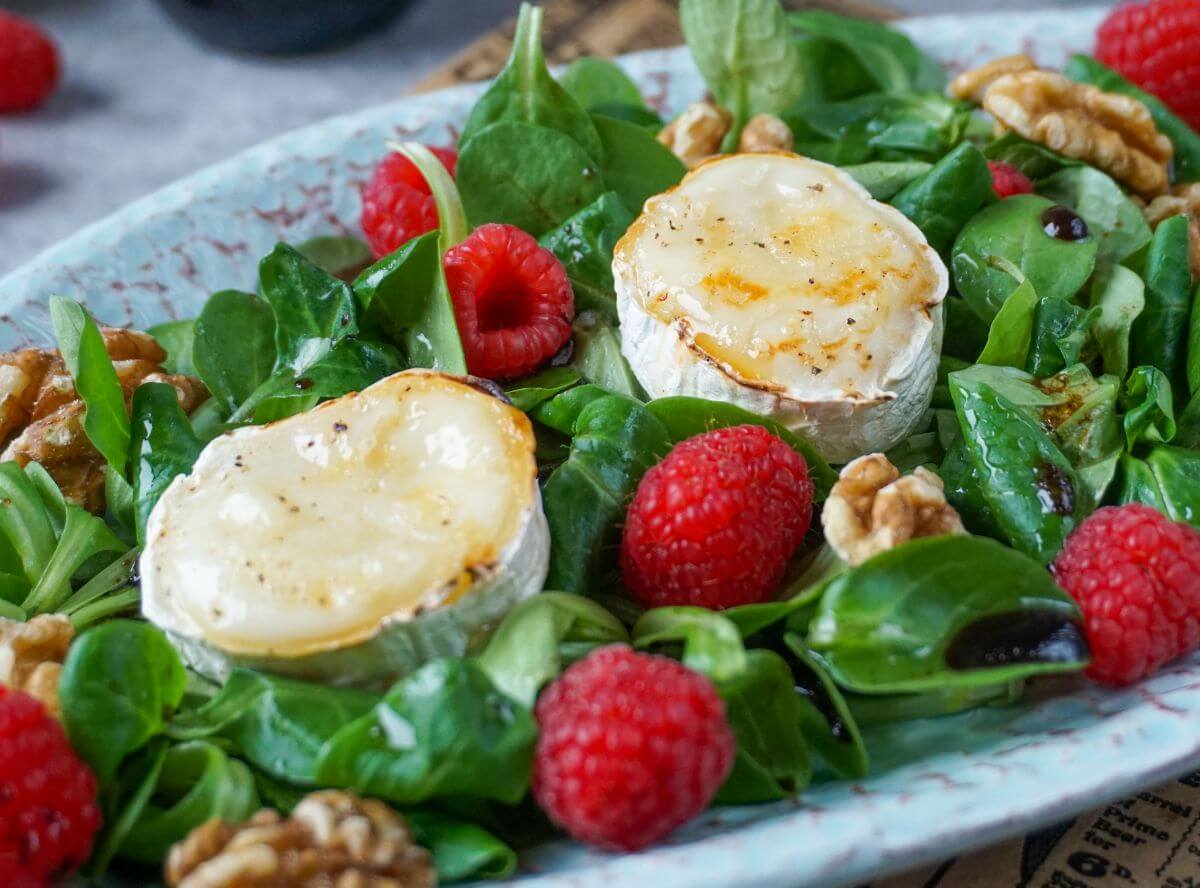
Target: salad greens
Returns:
[1069, 380]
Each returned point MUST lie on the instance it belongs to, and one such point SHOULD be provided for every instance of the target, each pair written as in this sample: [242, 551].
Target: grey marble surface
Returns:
[143, 104]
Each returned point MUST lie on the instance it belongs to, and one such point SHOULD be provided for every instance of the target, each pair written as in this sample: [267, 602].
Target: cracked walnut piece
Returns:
[696, 134]
[1110, 131]
[32, 654]
[333, 839]
[972, 85]
[1183, 199]
[41, 415]
[872, 508]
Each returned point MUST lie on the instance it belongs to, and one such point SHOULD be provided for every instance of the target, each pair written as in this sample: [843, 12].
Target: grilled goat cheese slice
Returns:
[354, 542]
[777, 283]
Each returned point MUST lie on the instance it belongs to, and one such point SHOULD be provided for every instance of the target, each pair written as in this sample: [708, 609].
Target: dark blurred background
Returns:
[144, 101]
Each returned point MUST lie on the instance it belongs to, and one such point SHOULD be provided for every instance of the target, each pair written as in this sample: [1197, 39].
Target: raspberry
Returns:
[48, 810]
[1008, 180]
[1157, 46]
[1136, 576]
[397, 203]
[29, 68]
[715, 523]
[512, 301]
[631, 747]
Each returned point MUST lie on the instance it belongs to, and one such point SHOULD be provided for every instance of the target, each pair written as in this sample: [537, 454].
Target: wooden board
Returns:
[602, 27]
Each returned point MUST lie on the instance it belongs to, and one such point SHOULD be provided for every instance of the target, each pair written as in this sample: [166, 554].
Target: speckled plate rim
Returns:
[954, 783]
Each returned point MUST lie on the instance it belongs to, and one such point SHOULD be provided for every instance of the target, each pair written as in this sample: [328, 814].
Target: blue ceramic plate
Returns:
[937, 786]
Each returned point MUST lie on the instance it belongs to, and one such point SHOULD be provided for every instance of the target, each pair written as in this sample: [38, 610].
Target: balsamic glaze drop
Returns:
[1039, 636]
[1064, 223]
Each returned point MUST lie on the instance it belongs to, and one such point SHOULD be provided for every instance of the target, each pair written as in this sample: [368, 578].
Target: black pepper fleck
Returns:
[340, 427]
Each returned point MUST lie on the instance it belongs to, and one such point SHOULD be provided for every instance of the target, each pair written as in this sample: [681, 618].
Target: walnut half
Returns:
[333, 839]
[872, 508]
[32, 654]
[1111, 131]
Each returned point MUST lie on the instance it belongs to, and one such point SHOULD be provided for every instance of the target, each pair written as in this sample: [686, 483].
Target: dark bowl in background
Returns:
[282, 26]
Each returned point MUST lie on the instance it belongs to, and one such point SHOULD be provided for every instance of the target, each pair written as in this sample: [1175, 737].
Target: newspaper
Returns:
[1152, 838]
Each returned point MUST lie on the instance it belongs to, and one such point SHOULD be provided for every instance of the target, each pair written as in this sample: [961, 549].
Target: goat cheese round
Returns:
[351, 543]
[777, 283]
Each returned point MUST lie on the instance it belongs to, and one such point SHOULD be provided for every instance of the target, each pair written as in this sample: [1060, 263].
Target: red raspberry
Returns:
[1008, 180]
[715, 523]
[29, 68]
[1157, 46]
[397, 203]
[48, 811]
[1136, 576]
[631, 747]
[512, 301]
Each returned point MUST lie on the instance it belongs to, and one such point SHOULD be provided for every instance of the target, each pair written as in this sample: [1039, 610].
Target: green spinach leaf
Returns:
[942, 200]
[444, 730]
[598, 357]
[120, 683]
[1112, 218]
[1149, 407]
[747, 54]
[1061, 332]
[540, 637]
[532, 391]
[163, 447]
[1119, 294]
[105, 420]
[1160, 333]
[1011, 331]
[1012, 231]
[943, 612]
[461, 850]
[529, 176]
[636, 165]
[596, 82]
[234, 347]
[584, 245]
[893, 61]
[614, 441]
[342, 257]
[524, 92]
[1033, 159]
[1028, 484]
[176, 339]
[197, 782]
[886, 178]
[279, 725]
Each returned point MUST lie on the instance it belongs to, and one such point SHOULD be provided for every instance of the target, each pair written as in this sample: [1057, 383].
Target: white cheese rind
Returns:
[356, 601]
[799, 269]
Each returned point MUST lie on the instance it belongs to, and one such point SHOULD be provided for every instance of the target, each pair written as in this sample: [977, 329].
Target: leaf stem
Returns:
[451, 215]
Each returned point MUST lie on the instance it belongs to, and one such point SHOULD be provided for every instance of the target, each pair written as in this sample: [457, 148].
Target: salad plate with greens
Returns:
[772, 461]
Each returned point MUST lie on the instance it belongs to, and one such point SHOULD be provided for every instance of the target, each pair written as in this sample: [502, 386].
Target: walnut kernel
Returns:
[973, 84]
[872, 508]
[333, 839]
[32, 654]
[765, 132]
[697, 133]
[1111, 131]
